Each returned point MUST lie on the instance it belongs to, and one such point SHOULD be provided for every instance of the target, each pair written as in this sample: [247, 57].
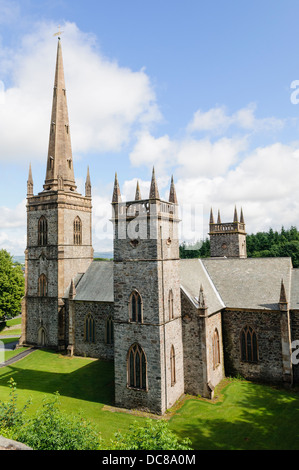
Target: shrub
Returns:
[154, 435]
[50, 429]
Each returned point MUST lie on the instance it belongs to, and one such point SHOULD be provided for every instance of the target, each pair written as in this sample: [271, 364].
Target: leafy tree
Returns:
[195, 250]
[154, 435]
[12, 284]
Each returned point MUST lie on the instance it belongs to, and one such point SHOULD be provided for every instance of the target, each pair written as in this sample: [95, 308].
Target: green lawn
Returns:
[10, 354]
[85, 385]
[246, 415]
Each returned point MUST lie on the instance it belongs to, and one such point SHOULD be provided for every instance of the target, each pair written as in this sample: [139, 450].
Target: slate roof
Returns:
[193, 274]
[252, 283]
[96, 285]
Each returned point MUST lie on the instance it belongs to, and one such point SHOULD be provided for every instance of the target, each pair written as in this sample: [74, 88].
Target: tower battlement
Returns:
[228, 239]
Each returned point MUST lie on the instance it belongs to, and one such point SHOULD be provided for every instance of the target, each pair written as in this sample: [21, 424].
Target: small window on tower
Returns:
[42, 231]
[135, 307]
[42, 286]
[77, 231]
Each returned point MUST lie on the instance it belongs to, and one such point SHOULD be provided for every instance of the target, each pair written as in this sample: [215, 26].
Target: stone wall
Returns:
[42, 312]
[267, 326]
[198, 330]
[231, 245]
[100, 312]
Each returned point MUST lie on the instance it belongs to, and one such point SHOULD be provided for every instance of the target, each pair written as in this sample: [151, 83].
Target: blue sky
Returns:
[202, 90]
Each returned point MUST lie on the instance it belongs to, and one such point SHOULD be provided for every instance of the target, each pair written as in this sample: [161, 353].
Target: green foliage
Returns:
[274, 244]
[50, 429]
[10, 417]
[154, 435]
[195, 250]
[12, 285]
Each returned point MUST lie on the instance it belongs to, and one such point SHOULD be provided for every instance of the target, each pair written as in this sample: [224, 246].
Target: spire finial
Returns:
[154, 193]
[172, 192]
[59, 33]
[72, 291]
[30, 182]
[235, 215]
[137, 193]
[218, 218]
[242, 217]
[283, 297]
[116, 191]
[211, 217]
[88, 184]
[201, 298]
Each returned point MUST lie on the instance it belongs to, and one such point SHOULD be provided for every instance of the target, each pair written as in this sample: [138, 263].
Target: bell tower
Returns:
[59, 243]
[148, 346]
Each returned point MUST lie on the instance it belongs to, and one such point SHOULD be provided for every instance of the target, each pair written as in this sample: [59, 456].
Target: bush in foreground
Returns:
[154, 435]
[49, 429]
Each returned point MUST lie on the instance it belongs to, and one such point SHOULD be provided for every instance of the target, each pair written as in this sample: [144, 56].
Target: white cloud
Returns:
[193, 157]
[107, 103]
[205, 158]
[151, 151]
[13, 228]
[218, 121]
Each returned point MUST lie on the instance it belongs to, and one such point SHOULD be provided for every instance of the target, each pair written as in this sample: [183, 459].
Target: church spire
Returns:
[60, 172]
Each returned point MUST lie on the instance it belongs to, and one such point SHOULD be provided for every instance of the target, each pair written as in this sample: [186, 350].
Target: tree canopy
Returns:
[12, 285]
[283, 243]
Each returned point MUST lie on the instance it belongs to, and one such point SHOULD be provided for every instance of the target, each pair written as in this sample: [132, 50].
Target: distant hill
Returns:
[103, 254]
[97, 254]
[19, 259]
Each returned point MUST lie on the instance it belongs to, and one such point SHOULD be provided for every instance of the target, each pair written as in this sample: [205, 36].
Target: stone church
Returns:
[171, 326]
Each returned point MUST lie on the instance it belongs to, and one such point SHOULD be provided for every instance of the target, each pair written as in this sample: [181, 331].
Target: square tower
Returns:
[228, 239]
[147, 304]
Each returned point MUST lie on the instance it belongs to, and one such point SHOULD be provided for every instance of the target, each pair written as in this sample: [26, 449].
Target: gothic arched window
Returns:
[135, 307]
[42, 231]
[42, 286]
[77, 231]
[89, 334]
[109, 334]
[172, 366]
[216, 349]
[249, 349]
[170, 304]
[136, 367]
